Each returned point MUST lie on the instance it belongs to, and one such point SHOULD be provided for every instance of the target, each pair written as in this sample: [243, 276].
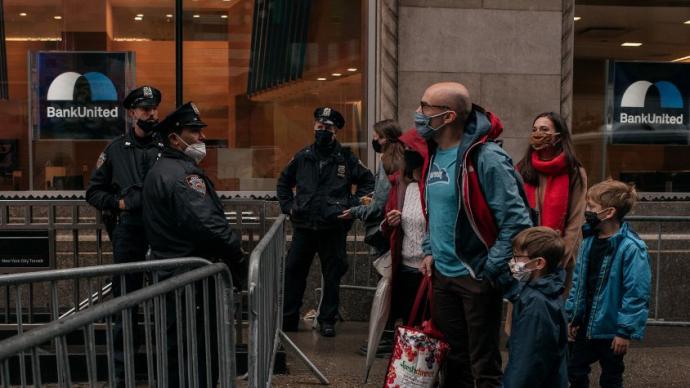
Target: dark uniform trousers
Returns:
[174, 324]
[129, 245]
[330, 245]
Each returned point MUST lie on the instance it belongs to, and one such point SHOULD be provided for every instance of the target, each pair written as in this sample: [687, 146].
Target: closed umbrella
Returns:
[380, 309]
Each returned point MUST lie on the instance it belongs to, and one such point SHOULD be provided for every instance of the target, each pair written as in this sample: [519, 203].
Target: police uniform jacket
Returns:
[120, 173]
[183, 216]
[323, 186]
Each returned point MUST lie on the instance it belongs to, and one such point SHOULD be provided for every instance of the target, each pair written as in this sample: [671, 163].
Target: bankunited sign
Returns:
[79, 94]
[650, 103]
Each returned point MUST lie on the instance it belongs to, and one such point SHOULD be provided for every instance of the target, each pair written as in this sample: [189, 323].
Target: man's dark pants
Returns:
[173, 325]
[468, 313]
[588, 351]
[330, 245]
[129, 245]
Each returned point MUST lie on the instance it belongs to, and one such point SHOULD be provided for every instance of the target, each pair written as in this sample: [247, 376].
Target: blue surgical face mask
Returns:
[422, 123]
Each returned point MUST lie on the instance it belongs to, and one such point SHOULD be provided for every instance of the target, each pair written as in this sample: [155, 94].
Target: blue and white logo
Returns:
[62, 87]
[670, 101]
[636, 94]
[437, 175]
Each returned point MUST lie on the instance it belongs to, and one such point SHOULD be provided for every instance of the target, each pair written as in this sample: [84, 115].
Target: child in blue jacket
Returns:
[539, 337]
[609, 301]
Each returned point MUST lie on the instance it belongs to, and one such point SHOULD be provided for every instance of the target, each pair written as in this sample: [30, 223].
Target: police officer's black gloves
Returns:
[239, 269]
[133, 197]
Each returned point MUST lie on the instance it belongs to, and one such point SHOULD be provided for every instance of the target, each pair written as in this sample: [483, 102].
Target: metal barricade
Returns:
[76, 238]
[668, 241]
[176, 298]
[266, 279]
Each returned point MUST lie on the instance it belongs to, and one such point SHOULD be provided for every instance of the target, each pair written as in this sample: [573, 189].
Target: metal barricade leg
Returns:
[303, 357]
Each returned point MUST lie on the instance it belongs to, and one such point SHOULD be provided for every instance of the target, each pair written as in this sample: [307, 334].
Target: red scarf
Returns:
[554, 209]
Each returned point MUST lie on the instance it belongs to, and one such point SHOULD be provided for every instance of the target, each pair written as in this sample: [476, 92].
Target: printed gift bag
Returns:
[418, 351]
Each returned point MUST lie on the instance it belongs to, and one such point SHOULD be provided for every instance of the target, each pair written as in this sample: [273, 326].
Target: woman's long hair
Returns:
[393, 152]
[525, 167]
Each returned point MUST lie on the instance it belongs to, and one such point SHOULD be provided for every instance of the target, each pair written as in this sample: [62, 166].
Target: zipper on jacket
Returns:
[597, 297]
[577, 295]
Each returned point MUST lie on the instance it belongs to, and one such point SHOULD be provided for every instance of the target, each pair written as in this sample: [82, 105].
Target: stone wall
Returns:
[507, 52]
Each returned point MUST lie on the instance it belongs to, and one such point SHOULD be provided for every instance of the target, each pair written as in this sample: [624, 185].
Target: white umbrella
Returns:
[380, 309]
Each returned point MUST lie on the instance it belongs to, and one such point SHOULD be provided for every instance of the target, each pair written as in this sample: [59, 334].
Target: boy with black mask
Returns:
[609, 301]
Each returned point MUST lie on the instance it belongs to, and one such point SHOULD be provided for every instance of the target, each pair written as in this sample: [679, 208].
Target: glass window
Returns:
[633, 49]
[256, 69]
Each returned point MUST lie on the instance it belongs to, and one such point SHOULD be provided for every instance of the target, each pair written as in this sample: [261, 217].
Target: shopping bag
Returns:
[418, 352]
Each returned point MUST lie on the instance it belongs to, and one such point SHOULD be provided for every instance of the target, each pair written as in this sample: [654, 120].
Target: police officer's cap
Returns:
[186, 116]
[329, 116]
[143, 96]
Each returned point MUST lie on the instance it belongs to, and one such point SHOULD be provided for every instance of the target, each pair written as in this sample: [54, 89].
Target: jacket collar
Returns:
[550, 284]
[624, 231]
[173, 153]
[335, 154]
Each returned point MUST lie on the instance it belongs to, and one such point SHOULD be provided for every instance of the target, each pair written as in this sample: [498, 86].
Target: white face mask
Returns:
[520, 271]
[196, 151]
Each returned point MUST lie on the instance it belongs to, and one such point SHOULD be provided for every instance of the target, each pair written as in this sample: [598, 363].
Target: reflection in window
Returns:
[259, 85]
[257, 69]
[645, 33]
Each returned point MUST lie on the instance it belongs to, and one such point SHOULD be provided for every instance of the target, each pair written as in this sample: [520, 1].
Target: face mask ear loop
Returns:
[180, 139]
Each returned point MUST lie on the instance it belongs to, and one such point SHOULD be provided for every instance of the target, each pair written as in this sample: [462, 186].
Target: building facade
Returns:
[257, 69]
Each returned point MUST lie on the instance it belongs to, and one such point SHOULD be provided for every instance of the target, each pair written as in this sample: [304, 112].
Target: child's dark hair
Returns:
[615, 194]
[541, 241]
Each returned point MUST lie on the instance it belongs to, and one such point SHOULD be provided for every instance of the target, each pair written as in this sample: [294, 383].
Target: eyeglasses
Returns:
[427, 109]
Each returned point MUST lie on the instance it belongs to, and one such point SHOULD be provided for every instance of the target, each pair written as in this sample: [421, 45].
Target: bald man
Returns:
[476, 205]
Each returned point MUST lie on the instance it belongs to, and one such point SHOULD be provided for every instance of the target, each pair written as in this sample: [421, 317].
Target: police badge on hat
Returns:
[197, 184]
[148, 93]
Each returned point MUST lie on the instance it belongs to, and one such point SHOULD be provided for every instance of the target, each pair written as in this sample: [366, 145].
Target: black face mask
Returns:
[323, 138]
[146, 125]
[376, 146]
[413, 161]
[592, 219]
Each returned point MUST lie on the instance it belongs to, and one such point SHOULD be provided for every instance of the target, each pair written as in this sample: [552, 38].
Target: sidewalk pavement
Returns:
[661, 360]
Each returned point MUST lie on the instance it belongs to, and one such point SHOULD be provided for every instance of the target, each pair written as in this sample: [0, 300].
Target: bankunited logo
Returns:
[669, 98]
[63, 89]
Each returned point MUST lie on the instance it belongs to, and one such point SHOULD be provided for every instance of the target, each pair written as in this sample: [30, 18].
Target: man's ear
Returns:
[452, 116]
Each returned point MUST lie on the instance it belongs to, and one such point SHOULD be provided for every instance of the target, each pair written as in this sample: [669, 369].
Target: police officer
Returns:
[115, 189]
[323, 175]
[184, 217]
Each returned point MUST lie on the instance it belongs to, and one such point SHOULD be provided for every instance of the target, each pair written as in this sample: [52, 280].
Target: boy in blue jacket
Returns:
[609, 302]
[539, 338]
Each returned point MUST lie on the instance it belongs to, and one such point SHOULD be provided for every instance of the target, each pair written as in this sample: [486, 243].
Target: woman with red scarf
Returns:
[556, 183]
[556, 186]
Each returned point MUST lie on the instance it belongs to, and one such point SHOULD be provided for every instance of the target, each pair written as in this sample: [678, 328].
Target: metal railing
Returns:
[266, 279]
[76, 238]
[174, 304]
[668, 230]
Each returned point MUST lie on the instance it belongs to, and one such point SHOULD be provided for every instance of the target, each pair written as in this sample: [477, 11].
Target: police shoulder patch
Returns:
[101, 160]
[196, 183]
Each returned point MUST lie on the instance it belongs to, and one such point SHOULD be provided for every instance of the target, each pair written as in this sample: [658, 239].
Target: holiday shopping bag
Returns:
[418, 352]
